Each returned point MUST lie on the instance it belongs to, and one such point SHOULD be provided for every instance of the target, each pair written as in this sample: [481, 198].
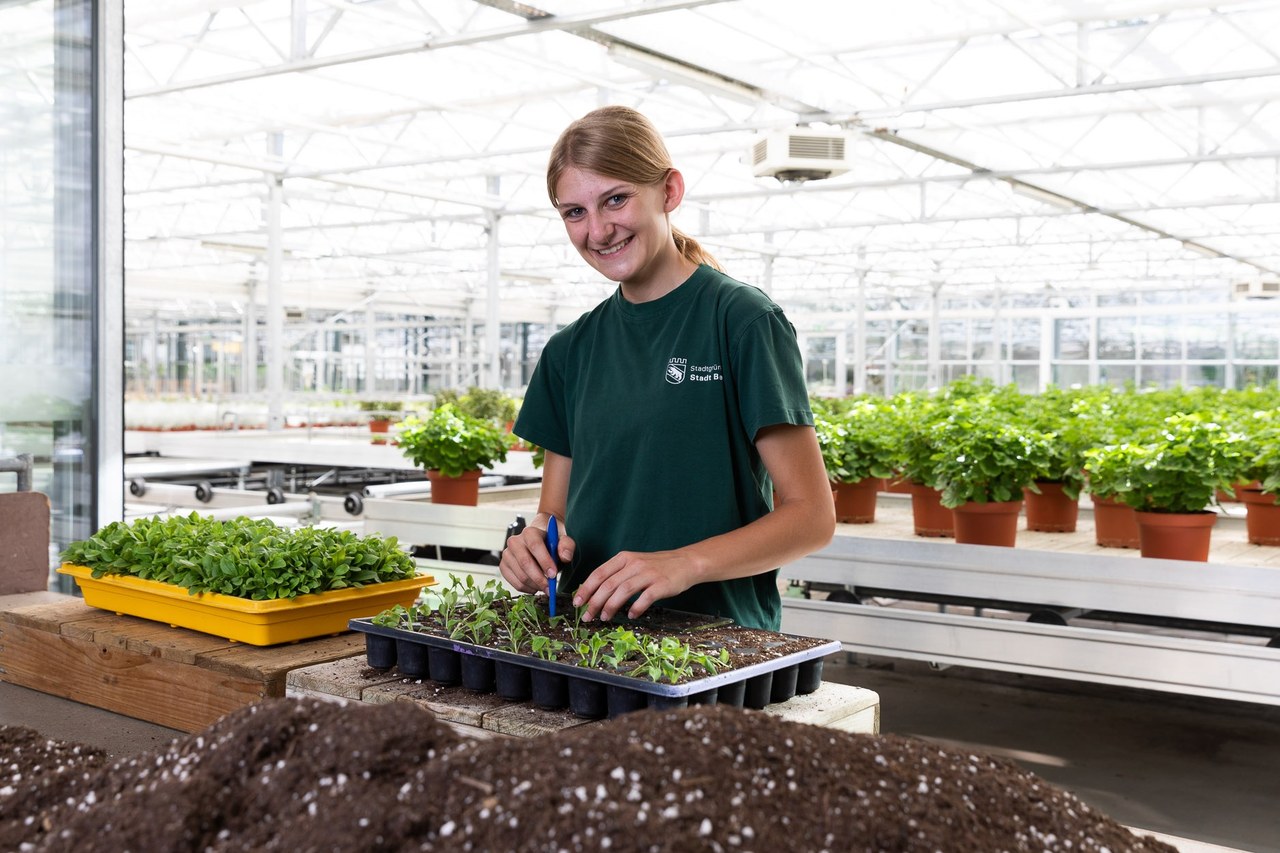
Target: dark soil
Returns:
[708, 634]
[308, 775]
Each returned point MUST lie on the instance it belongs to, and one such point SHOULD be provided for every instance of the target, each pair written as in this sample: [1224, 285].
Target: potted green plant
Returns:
[1107, 470]
[453, 448]
[913, 420]
[984, 459]
[1053, 505]
[1172, 477]
[382, 414]
[1258, 486]
[857, 452]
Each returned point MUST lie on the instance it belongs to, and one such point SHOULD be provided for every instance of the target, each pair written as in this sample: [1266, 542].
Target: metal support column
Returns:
[275, 296]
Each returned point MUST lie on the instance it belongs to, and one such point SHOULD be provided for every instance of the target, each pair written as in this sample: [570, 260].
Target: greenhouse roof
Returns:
[1032, 148]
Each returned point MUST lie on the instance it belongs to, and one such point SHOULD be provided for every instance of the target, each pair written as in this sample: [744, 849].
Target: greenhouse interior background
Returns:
[1049, 193]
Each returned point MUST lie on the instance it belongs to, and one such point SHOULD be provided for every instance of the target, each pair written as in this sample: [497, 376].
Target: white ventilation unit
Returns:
[802, 154]
[1265, 288]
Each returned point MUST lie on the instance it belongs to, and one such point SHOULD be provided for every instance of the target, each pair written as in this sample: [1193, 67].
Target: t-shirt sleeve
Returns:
[543, 418]
[770, 374]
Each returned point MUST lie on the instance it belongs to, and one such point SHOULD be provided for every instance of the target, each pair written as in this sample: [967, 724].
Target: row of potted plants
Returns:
[981, 450]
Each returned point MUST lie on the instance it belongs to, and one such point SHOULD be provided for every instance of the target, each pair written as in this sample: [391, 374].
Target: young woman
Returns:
[681, 460]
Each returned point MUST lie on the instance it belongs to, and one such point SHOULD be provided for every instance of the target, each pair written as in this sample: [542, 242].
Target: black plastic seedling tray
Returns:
[586, 691]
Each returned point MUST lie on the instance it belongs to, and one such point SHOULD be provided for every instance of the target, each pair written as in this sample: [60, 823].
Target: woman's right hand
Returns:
[526, 563]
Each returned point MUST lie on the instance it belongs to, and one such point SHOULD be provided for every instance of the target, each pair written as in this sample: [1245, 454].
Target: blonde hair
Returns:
[620, 143]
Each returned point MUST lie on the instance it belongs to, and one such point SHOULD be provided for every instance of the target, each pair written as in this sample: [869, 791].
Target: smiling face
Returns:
[622, 229]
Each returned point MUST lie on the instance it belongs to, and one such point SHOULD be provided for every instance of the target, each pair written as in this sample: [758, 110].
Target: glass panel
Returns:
[954, 344]
[983, 342]
[820, 363]
[1253, 374]
[46, 256]
[913, 341]
[1214, 375]
[1161, 338]
[1258, 336]
[1116, 337]
[1068, 375]
[1206, 336]
[1071, 339]
[1026, 377]
[1116, 375]
[1160, 375]
[1024, 339]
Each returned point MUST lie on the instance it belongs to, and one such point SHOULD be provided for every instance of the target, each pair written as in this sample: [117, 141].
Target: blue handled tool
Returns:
[553, 545]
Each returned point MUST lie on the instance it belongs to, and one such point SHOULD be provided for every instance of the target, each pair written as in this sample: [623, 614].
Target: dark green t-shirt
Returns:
[658, 405]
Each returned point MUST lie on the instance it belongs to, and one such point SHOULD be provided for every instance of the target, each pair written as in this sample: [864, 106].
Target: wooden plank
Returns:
[468, 731]
[525, 719]
[50, 617]
[159, 691]
[347, 678]
[832, 705]
[272, 663]
[455, 704]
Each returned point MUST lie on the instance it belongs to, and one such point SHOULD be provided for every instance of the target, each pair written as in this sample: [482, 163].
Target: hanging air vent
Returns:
[802, 154]
[1257, 289]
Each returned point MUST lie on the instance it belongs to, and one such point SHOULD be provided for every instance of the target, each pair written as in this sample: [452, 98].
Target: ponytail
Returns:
[692, 250]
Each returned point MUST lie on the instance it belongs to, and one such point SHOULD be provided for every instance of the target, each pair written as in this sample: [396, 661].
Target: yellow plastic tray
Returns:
[259, 623]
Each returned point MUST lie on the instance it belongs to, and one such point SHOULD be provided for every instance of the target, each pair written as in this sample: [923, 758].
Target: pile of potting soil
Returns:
[308, 775]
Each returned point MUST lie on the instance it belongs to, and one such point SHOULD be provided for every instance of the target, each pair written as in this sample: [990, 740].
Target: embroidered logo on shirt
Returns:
[676, 368]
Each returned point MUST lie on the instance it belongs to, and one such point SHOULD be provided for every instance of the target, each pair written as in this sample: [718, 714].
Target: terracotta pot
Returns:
[1262, 516]
[991, 523]
[856, 502]
[897, 485]
[930, 516]
[379, 425]
[1051, 511]
[1176, 535]
[1114, 523]
[462, 491]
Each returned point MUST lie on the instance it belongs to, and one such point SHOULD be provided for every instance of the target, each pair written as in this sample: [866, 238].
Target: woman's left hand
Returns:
[651, 576]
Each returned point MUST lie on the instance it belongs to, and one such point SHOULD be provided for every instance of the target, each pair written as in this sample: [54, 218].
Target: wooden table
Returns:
[187, 680]
[148, 670]
[486, 715]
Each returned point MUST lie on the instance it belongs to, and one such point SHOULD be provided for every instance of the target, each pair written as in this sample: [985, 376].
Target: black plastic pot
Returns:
[809, 678]
[477, 673]
[784, 684]
[623, 699]
[411, 657]
[732, 694]
[446, 666]
[512, 680]
[662, 703]
[706, 697]
[587, 698]
[380, 651]
[550, 689]
[758, 690]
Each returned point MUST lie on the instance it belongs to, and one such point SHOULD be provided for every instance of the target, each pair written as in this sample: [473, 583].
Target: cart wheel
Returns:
[843, 596]
[204, 491]
[353, 503]
[275, 495]
[137, 487]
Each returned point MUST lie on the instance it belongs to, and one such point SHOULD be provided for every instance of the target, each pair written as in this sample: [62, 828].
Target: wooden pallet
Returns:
[485, 715]
[173, 677]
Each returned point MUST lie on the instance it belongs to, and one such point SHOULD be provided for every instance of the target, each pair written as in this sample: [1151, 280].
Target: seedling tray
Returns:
[258, 623]
[590, 692]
